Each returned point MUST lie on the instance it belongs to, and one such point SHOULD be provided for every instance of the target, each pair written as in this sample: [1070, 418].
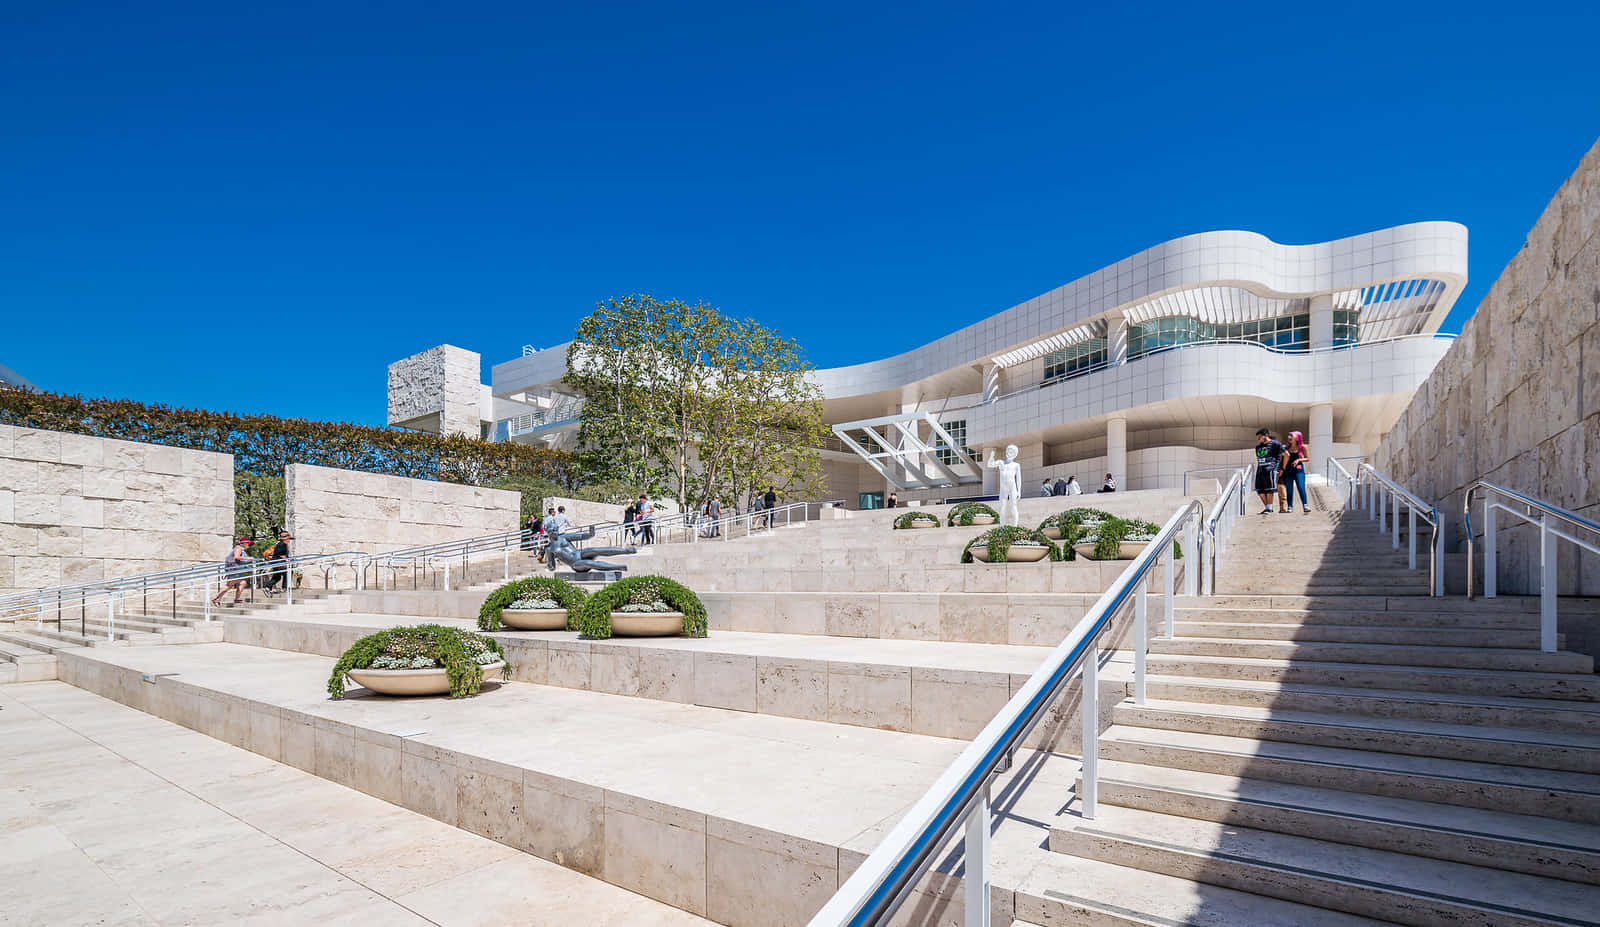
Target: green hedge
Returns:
[999, 539]
[594, 616]
[565, 594]
[452, 648]
[962, 513]
[1108, 537]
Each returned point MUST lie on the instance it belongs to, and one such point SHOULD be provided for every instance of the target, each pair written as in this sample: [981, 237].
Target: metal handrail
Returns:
[961, 793]
[1377, 482]
[1223, 512]
[1548, 535]
[1346, 479]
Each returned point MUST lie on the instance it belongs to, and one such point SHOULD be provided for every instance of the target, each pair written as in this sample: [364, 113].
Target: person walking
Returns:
[1110, 485]
[769, 502]
[1294, 472]
[1060, 487]
[630, 519]
[714, 509]
[232, 574]
[1045, 489]
[647, 519]
[1073, 487]
[1270, 458]
[552, 525]
[279, 555]
[530, 529]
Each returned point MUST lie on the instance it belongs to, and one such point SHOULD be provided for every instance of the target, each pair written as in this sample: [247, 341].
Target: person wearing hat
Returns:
[232, 575]
[279, 574]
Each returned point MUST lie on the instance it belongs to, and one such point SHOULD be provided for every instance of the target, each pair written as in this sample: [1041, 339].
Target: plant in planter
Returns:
[915, 519]
[641, 598]
[997, 545]
[1120, 539]
[533, 594]
[1066, 526]
[424, 659]
[967, 514]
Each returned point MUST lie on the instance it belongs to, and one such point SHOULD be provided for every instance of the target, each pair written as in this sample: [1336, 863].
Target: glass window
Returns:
[1346, 327]
[1074, 361]
[957, 430]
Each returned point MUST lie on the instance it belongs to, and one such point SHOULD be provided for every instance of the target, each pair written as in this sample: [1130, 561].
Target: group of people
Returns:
[238, 576]
[1280, 469]
[1070, 487]
[640, 519]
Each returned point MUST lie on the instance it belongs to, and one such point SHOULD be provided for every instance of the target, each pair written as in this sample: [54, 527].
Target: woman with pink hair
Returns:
[1294, 473]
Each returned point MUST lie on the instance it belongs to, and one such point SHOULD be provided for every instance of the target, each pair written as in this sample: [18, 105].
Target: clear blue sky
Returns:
[257, 207]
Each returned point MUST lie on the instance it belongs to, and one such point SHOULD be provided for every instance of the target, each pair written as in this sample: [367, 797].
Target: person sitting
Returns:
[1045, 489]
[1110, 485]
[1060, 487]
[1073, 487]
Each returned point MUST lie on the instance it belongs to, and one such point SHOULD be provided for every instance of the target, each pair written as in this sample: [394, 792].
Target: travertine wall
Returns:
[331, 511]
[75, 508]
[1516, 400]
[437, 391]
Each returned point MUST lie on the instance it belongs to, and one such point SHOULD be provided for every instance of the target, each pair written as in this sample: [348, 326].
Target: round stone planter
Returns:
[1053, 533]
[1126, 551]
[983, 519]
[1016, 553]
[415, 681]
[915, 523]
[534, 619]
[646, 624]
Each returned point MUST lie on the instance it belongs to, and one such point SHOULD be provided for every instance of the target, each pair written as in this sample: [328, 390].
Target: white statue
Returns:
[1010, 487]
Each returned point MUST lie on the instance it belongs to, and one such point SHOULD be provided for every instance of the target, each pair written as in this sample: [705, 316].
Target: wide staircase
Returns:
[1323, 732]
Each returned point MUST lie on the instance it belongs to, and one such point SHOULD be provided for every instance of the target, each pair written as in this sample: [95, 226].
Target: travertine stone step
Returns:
[1505, 745]
[1536, 846]
[1471, 709]
[8, 673]
[1356, 880]
[1522, 605]
[1378, 676]
[1516, 789]
[1514, 620]
[1487, 658]
[27, 664]
[1364, 634]
[1073, 891]
[33, 641]
[94, 634]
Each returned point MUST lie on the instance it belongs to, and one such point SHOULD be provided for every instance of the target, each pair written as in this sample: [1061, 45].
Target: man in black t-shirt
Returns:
[1270, 459]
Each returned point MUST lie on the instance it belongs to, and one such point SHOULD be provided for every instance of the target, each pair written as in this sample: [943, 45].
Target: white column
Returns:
[1117, 452]
[1320, 437]
[992, 382]
[1321, 321]
[1117, 341]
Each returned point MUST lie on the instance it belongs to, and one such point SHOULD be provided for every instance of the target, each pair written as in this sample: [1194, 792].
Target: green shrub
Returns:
[1071, 524]
[999, 540]
[461, 653]
[641, 594]
[564, 594]
[611, 492]
[1108, 537]
[963, 512]
[904, 521]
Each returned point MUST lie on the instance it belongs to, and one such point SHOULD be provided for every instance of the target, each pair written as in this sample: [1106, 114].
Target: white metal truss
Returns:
[908, 461]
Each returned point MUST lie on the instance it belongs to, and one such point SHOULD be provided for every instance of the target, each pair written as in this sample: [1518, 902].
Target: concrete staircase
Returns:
[1325, 734]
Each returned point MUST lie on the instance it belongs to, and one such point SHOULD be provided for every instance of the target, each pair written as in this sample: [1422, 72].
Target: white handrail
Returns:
[960, 796]
[1383, 494]
[1344, 484]
[1225, 511]
[1548, 536]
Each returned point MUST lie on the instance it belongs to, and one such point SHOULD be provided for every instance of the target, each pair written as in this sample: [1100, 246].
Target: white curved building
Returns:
[1165, 362]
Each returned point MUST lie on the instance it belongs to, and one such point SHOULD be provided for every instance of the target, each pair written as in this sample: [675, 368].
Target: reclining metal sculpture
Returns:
[582, 561]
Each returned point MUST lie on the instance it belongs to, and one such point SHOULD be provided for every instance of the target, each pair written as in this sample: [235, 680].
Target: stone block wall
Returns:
[1516, 399]
[437, 391]
[331, 511]
[75, 508]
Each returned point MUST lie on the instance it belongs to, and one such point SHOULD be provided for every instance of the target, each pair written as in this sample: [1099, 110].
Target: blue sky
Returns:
[258, 208]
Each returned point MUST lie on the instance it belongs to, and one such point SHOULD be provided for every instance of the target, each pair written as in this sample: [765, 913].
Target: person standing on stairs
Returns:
[1294, 471]
[1270, 460]
[233, 572]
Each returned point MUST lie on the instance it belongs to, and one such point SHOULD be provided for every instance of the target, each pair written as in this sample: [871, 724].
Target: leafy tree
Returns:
[258, 506]
[682, 398]
[534, 489]
[611, 492]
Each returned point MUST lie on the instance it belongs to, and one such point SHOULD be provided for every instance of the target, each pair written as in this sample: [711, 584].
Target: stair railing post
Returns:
[447, 576]
[1372, 510]
[1411, 536]
[1141, 640]
[1167, 605]
[111, 616]
[1380, 512]
[1490, 575]
[1089, 705]
[506, 556]
[1191, 572]
[1547, 585]
[1394, 519]
[208, 598]
[976, 853]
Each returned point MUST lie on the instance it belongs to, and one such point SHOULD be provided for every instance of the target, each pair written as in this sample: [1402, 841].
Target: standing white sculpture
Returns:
[1010, 487]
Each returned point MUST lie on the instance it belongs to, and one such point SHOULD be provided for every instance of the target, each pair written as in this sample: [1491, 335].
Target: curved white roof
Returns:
[1404, 280]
